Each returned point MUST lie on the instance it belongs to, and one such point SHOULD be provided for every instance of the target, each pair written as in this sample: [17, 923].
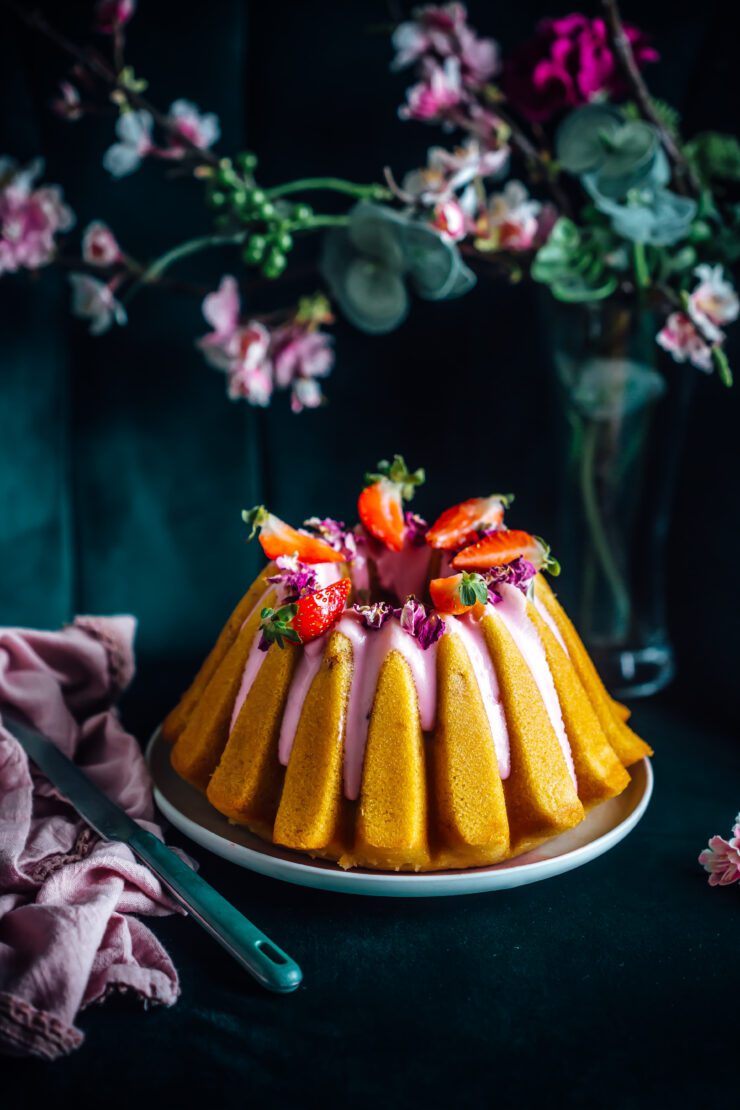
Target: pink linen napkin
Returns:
[66, 935]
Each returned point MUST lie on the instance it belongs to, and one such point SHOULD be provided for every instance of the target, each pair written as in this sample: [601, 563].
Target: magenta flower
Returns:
[202, 129]
[30, 217]
[681, 339]
[95, 301]
[99, 245]
[435, 95]
[567, 63]
[722, 858]
[134, 134]
[112, 15]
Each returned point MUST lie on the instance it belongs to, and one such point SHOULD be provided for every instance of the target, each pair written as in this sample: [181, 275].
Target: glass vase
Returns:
[623, 429]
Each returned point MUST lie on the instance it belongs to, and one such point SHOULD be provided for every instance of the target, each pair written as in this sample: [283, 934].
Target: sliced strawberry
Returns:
[502, 547]
[381, 502]
[381, 512]
[278, 538]
[460, 525]
[459, 594]
[319, 611]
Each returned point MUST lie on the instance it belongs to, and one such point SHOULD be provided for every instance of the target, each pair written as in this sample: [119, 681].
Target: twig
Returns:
[623, 52]
[93, 62]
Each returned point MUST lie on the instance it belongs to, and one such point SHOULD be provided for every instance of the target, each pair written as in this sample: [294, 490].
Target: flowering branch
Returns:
[623, 52]
[96, 64]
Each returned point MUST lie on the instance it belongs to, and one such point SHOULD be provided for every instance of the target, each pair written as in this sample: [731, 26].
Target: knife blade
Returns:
[250, 947]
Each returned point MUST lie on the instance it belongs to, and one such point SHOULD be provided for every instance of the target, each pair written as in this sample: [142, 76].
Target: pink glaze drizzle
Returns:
[470, 632]
[513, 612]
[306, 671]
[542, 612]
[370, 648]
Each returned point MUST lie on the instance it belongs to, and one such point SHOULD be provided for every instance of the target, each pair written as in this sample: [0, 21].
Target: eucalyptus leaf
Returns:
[580, 141]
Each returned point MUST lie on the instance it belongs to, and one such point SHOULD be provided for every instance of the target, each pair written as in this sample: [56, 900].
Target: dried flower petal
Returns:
[375, 616]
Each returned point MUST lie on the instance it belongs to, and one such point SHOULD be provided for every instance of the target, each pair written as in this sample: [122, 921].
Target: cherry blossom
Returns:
[134, 134]
[435, 95]
[249, 370]
[30, 217]
[67, 104]
[512, 220]
[99, 245]
[722, 858]
[299, 351]
[441, 32]
[202, 129]
[95, 301]
[713, 302]
[681, 339]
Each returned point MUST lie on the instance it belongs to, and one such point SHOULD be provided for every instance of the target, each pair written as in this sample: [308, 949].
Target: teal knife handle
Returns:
[269, 965]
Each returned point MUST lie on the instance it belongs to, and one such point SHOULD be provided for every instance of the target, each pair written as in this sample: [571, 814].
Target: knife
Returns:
[269, 965]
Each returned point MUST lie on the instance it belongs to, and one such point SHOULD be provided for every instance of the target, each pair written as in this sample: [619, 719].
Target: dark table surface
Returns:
[615, 985]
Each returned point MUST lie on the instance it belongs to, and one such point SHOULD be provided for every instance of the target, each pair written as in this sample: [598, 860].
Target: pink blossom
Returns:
[305, 393]
[713, 302]
[681, 339]
[250, 369]
[441, 32]
[450, 220]
[221, 310]
[93, 300]
[134, 134]
[301, 352]
[512, 220]
[202, 129]
[29, 217]
[112, 15]
[722, 859]
[67, 104]
[568, 62]
[434, 96]
[468, 161]
[99, 245]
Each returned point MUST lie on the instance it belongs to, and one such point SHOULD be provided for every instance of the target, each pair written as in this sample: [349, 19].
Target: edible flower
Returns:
[423, 626]
[375, 616]
[295, 577]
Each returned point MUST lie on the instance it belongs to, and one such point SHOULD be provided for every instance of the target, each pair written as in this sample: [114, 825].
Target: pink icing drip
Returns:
[542, 612]
[370, 648]
[470, 632]
[306, 671]
[513, 612]
[255, 659]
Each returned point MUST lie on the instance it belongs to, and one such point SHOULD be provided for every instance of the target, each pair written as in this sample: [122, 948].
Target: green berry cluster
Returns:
[234, 196]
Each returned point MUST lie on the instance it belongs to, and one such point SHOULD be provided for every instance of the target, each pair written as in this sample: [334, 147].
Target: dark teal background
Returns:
[123, 468]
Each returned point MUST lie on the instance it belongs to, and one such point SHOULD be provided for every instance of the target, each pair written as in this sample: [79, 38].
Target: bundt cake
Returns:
[402, 697]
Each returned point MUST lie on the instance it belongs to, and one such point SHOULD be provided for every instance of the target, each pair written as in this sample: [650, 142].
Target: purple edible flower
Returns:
[416, 529]
[336, 534]
[519, 572]
[375, 616]
[296, 578]
[425, 627]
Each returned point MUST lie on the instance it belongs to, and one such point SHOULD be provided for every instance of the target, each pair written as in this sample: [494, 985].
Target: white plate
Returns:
[190, 812]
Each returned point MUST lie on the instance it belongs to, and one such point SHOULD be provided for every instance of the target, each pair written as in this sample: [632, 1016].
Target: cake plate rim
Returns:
[602, 829]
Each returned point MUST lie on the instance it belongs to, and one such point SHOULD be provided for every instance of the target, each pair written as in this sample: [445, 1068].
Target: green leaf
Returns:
[472, 589]
[583, 136]
[397, 471]
[721, 365]
[713, 154]
[254, 519]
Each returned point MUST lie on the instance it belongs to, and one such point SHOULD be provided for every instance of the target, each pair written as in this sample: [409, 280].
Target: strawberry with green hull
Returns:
[306, 619]
[502, 547]
[381, 502]
[460, 593]
[461, 524]
[278, 538]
